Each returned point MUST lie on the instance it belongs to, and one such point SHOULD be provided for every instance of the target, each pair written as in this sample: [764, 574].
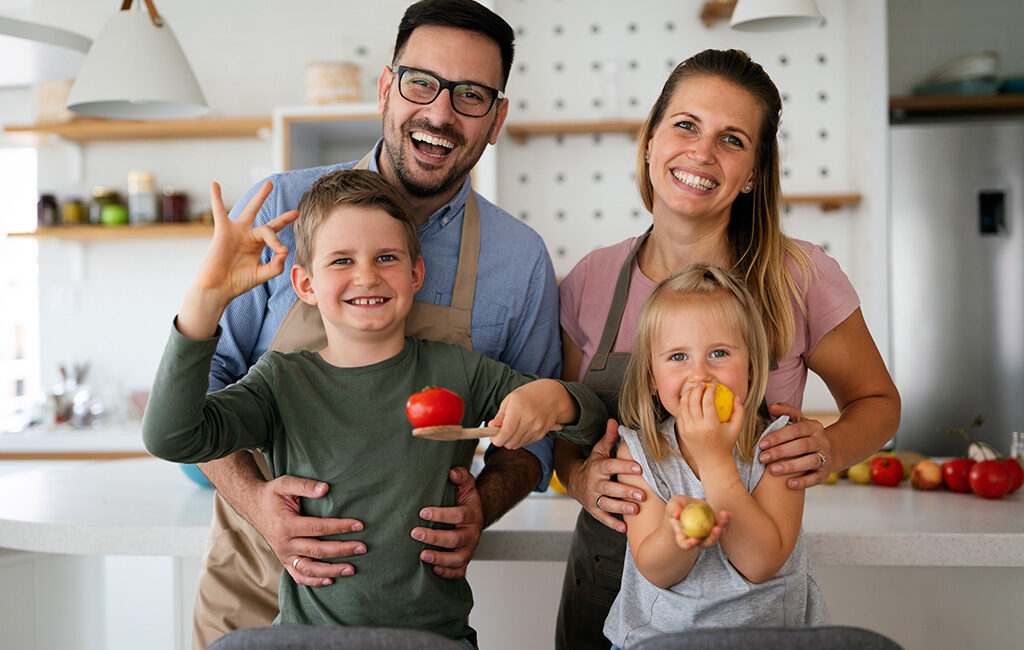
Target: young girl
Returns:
[700, 328]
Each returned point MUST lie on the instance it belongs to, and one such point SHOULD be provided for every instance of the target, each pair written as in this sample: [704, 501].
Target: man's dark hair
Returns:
[460, 14]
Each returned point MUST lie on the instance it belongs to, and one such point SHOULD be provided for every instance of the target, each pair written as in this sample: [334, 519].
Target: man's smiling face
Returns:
[430, 148]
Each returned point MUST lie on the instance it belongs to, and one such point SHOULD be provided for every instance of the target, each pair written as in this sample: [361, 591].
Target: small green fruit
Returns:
[860, 473]
[697, 519]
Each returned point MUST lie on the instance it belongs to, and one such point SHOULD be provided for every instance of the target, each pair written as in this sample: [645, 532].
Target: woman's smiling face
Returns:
[704, 150]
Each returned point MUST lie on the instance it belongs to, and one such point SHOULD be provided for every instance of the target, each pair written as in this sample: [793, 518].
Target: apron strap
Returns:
[469, 254]
[618, 306]
[364, 162]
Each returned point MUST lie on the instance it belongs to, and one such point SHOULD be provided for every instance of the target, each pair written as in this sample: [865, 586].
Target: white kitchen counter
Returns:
[122, 440]
[148, 507]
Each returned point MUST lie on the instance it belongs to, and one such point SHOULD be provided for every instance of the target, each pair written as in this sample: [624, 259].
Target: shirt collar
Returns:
[444, 215]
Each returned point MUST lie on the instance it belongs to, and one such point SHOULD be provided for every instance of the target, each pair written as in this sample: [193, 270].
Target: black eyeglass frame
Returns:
[442, 83]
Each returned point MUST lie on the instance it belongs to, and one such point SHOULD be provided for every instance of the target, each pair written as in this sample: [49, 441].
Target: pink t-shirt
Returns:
[586, 295]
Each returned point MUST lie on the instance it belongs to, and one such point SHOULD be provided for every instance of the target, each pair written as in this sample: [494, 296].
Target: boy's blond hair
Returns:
[356, 187]
[713, 288]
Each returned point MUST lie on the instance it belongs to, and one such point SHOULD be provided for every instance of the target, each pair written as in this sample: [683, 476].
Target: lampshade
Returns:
[33, 53]
[136, 70]
[775, 15]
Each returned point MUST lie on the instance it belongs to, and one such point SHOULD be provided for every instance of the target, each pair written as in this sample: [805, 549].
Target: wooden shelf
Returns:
[139, 231]
[96, 130]
[911, 109]
[522, 132]
[828, 202]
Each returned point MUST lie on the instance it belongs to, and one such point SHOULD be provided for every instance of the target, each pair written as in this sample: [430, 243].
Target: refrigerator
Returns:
[957, 281]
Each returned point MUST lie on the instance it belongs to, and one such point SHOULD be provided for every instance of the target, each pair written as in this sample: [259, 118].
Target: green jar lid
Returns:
[114, 214]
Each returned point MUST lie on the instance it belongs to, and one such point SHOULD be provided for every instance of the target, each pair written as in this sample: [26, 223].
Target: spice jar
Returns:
[101, 196]
[46, 210]
[142, 202]
[175, 206]
[73, 212]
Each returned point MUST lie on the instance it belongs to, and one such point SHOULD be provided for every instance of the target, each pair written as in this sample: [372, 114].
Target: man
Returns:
[495, 290]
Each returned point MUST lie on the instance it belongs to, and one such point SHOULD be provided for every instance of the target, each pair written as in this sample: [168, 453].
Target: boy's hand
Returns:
[675, 506]
[232, 262]
[705, 436]
[231, 265]
[529, 412]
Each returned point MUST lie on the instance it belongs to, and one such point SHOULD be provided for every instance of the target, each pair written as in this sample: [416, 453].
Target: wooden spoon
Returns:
[454, 432]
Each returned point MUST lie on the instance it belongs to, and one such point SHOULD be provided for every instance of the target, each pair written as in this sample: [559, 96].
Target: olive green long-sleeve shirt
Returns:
[347, 427]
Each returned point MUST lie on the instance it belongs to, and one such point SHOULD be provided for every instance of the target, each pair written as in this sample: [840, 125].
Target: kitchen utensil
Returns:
[972, 66]
[454, 432]
[959, 87]
[1013, 85]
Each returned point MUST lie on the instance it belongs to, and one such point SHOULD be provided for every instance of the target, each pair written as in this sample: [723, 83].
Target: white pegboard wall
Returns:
[589, 60]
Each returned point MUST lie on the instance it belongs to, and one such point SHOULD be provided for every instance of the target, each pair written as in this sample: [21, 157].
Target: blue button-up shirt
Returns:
[515, 305]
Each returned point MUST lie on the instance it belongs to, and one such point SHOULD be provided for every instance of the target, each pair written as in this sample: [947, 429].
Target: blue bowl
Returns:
[196, 476]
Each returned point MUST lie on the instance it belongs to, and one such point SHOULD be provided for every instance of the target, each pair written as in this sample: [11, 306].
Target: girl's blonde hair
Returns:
[708, 287]
[755, 232]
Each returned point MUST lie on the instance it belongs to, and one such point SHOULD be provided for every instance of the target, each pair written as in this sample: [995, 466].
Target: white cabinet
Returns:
[310, 136]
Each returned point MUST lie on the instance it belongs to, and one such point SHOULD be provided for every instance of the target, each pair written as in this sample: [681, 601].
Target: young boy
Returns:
[339, 412]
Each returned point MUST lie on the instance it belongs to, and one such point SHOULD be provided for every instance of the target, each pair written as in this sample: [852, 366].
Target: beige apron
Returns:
[239, 573]
[594, 569]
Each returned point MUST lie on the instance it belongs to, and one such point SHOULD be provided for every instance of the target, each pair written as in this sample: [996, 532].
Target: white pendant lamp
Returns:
[33, 53]
[775, 15]
[136, 70]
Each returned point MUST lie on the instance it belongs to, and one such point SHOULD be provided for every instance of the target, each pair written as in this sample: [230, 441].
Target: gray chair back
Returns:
[320, 637]
[833, 637]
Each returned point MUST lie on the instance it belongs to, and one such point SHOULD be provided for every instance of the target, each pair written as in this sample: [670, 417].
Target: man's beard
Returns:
[395, 138]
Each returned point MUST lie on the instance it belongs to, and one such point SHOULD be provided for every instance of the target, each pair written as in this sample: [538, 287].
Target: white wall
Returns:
[110, 302]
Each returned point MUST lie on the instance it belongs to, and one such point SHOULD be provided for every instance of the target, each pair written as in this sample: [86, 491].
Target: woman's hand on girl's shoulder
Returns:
[673, 510]
[800, 449]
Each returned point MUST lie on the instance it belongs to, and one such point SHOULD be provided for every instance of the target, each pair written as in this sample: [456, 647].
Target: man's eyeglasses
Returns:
[467, 98]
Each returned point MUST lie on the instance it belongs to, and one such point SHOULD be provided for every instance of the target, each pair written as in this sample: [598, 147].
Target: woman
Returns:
[708, 171]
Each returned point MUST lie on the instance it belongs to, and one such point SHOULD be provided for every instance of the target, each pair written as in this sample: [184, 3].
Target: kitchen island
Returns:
[863, 541]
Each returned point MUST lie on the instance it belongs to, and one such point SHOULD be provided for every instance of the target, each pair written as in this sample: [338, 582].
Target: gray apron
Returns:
[239, 573]
[594, 569]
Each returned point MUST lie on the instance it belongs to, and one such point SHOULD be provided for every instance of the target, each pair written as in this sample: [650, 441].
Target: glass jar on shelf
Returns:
[73, 212]
[101, 197]
[142, 200]
[175, 206]
[47, 213]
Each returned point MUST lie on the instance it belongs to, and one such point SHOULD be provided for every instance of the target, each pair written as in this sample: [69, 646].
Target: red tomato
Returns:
[434, 407]
[886, 470]
[1016, 473]
[989, 479]
[954, 473]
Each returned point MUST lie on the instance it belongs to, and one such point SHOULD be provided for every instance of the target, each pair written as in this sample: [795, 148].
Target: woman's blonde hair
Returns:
[707, 287]
[755, 232]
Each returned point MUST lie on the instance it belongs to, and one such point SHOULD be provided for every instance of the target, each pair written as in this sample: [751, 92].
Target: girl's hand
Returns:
[232, 262]
[705, 435]
[800, 448]
[675, 506]
[529, 412]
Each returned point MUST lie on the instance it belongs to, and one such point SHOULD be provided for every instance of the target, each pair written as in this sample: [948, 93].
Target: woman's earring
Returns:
[647, 157]
[747, 188]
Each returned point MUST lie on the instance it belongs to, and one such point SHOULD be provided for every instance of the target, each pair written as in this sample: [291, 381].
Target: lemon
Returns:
[723, 402]
[556, 485]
